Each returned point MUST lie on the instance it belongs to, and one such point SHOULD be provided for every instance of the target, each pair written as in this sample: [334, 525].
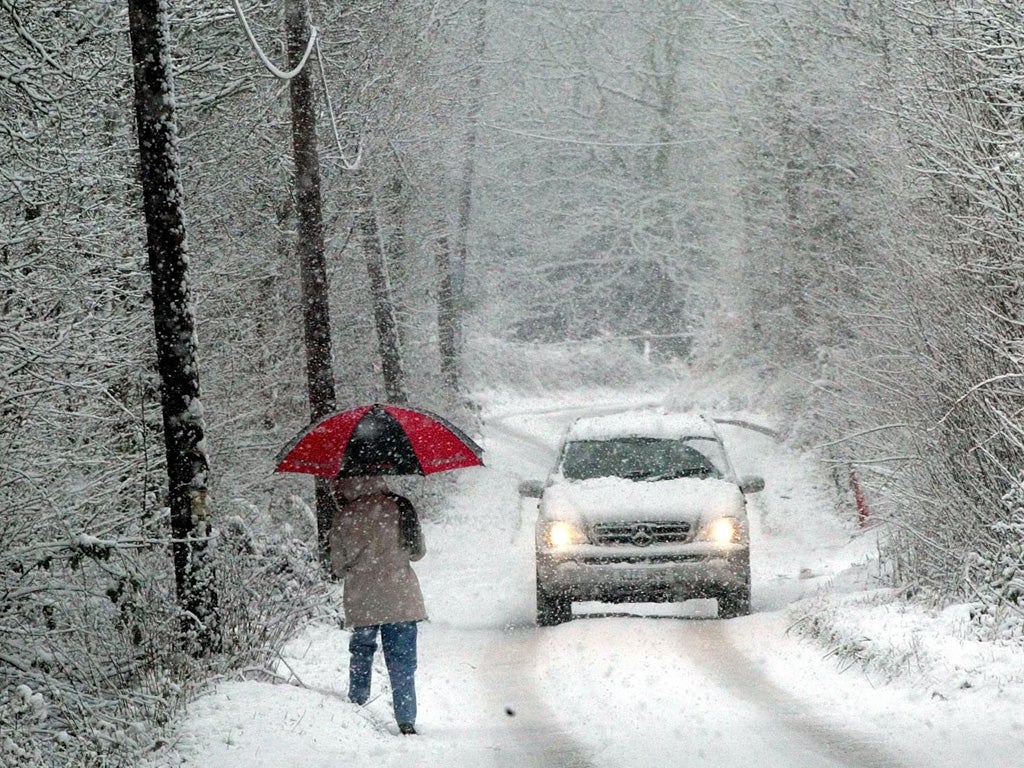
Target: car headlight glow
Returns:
[724, 530]
[562, 534]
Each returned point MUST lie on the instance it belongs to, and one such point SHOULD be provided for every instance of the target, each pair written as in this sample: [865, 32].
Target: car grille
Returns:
[640, 534]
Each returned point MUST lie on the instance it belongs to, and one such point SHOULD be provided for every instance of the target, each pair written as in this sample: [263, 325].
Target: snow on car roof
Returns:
[641, 424]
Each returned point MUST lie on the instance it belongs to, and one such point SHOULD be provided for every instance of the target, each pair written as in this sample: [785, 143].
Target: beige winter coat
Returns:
[380, 586]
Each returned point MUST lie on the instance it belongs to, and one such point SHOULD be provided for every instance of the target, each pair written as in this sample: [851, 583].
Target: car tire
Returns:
[734, 602]
[552, 609]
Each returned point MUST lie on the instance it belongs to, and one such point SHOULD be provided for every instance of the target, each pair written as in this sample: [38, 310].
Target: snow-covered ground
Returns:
[645, 684]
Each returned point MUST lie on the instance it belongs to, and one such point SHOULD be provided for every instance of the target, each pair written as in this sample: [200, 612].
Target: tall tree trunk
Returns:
[174, 321]
[310, 245]
[446, 318]
[451, 359]
[396, 246]
[383, 305]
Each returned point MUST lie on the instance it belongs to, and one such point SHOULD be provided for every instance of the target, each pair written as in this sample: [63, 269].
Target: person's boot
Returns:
[407, 729]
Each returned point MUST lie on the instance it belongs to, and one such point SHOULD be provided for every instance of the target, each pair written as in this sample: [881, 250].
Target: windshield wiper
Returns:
[639, 475]
[691, 472]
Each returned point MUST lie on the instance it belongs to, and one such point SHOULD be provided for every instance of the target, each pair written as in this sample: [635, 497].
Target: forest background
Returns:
[823, 194]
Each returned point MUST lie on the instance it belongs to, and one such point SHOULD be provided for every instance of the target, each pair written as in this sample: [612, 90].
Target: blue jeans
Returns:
[399, 642]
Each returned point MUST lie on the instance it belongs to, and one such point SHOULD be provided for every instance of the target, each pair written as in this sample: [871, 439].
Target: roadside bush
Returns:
[92, 663]
[997, 575]
[268, 582]
[87, 656]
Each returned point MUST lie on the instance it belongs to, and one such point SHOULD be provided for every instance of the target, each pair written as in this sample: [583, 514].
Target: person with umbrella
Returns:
[375, 534]
[374, 537]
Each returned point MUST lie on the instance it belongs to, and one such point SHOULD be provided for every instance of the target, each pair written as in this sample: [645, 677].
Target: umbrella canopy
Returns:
[379, 439]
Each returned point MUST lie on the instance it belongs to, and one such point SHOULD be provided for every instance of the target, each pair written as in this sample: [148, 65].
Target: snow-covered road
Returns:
[619, 686]
[703, 703]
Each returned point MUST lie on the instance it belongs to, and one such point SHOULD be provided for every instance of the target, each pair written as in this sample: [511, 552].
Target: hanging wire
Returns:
[349, 165]
[314, 42]
[278, 73]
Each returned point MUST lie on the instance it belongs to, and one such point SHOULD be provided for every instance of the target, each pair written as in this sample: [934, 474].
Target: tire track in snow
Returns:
[708, 644]
[507, 671]
[479, 704]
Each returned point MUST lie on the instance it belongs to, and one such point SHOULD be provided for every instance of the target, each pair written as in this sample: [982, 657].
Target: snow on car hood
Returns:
[614, 499]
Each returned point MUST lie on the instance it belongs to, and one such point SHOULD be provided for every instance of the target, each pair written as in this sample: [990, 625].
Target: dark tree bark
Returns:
[310, 246]
[383, 306]
[174, 321]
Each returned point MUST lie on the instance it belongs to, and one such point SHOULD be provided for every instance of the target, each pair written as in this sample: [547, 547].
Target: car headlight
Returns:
[561, 534]
[724, 530]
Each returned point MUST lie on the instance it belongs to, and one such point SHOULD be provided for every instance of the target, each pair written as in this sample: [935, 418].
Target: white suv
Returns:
[642, 507]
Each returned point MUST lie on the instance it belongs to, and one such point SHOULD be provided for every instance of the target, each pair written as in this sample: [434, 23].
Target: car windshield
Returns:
[643, 458]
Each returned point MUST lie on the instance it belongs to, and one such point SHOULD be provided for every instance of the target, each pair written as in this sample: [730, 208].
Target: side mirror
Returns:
[533, 489]
[751, 484]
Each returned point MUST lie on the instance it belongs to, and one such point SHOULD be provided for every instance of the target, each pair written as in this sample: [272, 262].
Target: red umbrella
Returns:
[379, 439]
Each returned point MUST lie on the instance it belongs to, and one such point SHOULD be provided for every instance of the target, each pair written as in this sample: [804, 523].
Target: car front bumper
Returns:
[670, 574]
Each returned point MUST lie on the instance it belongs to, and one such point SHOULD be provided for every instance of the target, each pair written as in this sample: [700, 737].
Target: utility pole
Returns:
[174, 322]
[310, 245]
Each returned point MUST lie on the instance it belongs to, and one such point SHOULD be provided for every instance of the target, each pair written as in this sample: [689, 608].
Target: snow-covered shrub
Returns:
[92, 659]
[959, 396]
[267, 583]
[873, 630]
[889, 294]
[996, 574]
[89, 656]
